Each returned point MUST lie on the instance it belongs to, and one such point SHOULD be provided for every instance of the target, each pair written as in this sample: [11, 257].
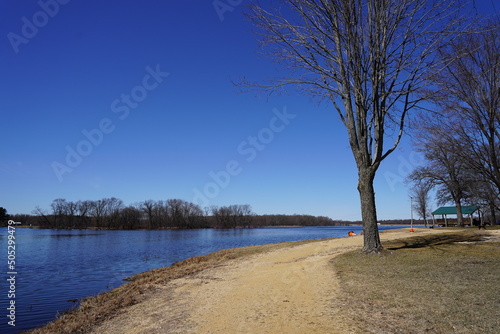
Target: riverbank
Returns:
[289, 287]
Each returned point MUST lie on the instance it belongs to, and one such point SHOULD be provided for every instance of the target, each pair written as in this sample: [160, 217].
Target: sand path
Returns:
[291, 290]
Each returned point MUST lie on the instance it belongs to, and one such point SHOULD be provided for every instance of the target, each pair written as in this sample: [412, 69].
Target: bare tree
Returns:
[368, 58]
[232, 215]
[58, 210]
[245, 215]
[130, 218]
[83, 210]
[483, 193]
[148, 208]
[192, 214]
[112, 211]
[174, 210]
[470, 87]
[43, 217]
[223, 216]
[97, 211]
[161, 214]
[183, 214]
[444, 166]
[420, 194]
[71, 209]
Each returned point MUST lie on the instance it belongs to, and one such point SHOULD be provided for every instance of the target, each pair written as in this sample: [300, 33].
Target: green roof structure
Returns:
[452, 210]
[444, 211]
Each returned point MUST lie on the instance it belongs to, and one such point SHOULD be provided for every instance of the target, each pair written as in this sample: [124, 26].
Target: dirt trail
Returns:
[285, 291]
[291, 290]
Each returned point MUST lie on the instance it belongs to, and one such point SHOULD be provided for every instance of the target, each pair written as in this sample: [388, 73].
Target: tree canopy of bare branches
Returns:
[419, 192]
[368, 58]
[444, 168]
[470, 88]
[461, 137]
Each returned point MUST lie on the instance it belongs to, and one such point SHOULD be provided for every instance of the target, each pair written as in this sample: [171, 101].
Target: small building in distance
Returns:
[444, 211]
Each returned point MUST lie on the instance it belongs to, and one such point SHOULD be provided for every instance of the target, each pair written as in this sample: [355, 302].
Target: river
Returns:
[53, 267]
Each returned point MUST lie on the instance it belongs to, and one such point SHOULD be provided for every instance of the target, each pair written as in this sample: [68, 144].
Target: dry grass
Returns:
[94, 310]
[430, 284]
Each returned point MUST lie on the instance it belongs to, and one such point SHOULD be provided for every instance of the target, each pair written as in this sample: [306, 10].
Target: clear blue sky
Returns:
[135, 100]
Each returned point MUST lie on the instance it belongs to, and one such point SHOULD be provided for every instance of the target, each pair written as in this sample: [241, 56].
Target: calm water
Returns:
[55, 266]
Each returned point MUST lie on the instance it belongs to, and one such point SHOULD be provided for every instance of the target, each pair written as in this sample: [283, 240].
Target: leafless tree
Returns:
[98, 211]
[483, 193]
[148, 208]
[112, 211]
[174, 210]
[83, 210]
[367, 58]
[43, 217]
[245, 215]
[58, 210]
[183, 214]
[420, 193]
[161, 214]
[470, 87]
[231, 216]
[444, 168]
[192, 214]
[130, 218]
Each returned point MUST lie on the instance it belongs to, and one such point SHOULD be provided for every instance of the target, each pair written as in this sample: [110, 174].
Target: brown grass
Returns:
[428, 284]
[94, 310]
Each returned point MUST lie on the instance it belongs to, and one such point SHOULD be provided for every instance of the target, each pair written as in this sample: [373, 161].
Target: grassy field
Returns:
[434, 284]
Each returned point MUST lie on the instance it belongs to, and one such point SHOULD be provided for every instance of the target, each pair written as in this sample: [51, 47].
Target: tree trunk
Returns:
[460, 218]
[493, 219]
[372, 244]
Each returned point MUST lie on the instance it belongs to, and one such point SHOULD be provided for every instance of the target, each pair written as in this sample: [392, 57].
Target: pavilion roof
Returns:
[452, 210]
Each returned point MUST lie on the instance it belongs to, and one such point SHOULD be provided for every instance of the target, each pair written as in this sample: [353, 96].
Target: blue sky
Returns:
[135, 100]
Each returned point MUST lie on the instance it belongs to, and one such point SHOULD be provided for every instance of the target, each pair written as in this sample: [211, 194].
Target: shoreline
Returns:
[141, 286]
[167, 286]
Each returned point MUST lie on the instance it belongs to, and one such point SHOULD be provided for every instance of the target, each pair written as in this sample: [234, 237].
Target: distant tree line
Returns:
[112, 213]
